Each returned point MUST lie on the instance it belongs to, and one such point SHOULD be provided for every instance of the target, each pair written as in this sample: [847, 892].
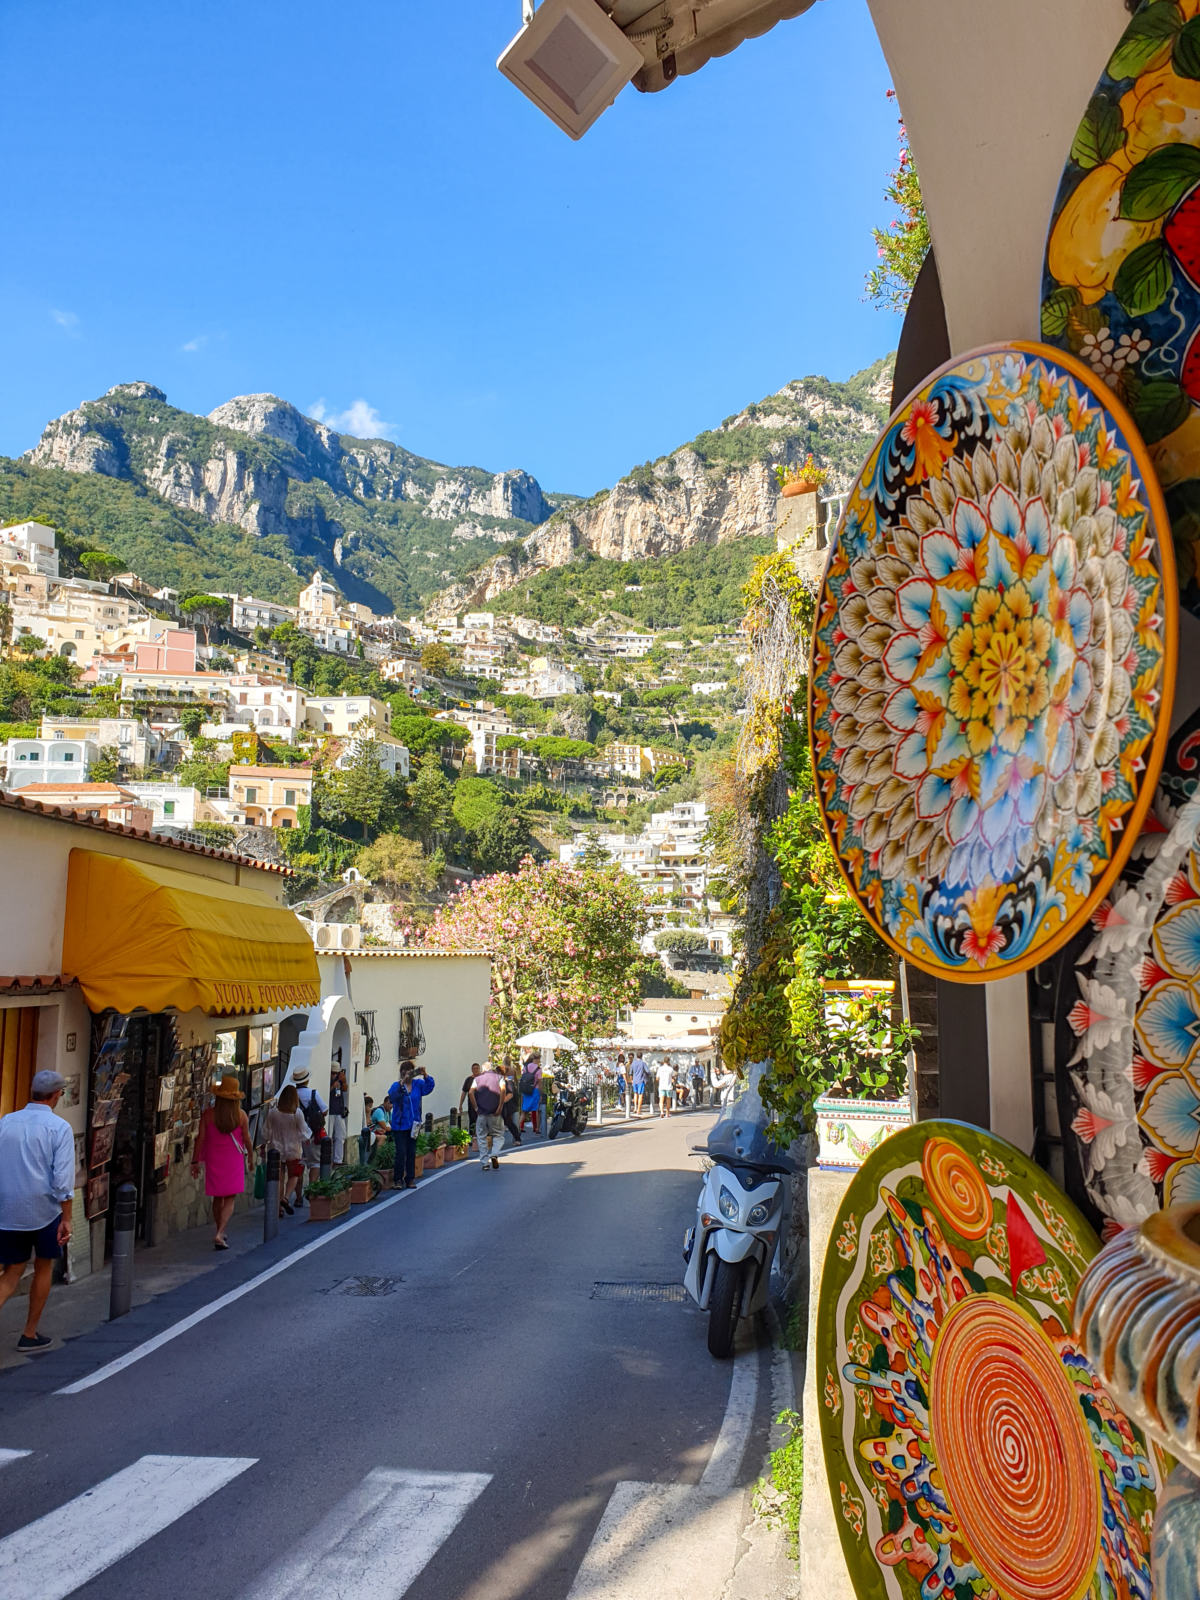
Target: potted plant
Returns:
[421, 1156]
[865, 1053]
[363, 1183]
[459, 1144]
[327, 1198]
[383, 1163]
[437, 1148]
[804, 479]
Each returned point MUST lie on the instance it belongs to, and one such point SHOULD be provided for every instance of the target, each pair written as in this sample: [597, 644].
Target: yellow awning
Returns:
[149, 937]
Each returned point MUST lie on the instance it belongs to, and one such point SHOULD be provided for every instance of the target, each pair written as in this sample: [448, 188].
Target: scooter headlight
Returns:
[759, 1214]
[727, 1205]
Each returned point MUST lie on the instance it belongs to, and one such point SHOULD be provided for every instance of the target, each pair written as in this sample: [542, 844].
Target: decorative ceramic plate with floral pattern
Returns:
[993, 661]
[1121, 286]
[971, 1450]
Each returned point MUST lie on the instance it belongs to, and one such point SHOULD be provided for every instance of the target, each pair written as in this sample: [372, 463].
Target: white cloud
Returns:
[65, 319]
[195, 344]
[359, 419]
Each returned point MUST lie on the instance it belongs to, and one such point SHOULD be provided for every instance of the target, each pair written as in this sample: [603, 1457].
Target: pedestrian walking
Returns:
[487, 1096]
[621, 1079]
[699, 1076]
[465, 1099]
[407, 1093]
[315, 1111]
[37, 1184]
[286, 1130]
[225, 1151]
[530, 1088]
[508, 1109]
[637, 1076]
[339, 1107]
[665, 1074]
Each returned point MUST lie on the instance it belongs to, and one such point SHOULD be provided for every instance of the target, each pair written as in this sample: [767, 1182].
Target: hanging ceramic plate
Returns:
[1122, 278]
[993, 660]
[969, 1446]
[1129, 1015]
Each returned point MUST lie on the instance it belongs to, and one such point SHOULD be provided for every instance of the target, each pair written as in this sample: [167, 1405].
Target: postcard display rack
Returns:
[147, 1094]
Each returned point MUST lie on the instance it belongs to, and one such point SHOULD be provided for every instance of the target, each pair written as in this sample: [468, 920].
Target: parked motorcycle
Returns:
[570, 1111]
[740, 1215]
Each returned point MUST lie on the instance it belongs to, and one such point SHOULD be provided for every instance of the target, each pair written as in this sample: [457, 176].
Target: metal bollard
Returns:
[326, 1157]
[271, 1198]
[628, 1102]
[599, 1104]
[120, 1291]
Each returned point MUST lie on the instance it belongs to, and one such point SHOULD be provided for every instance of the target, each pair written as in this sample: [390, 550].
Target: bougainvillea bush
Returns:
[564, 946]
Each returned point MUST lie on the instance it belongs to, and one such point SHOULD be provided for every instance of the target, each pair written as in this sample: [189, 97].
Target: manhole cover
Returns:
[365, 1286]
[641, 1293]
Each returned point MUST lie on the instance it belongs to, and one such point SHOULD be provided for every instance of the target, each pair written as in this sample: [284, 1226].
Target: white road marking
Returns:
[375, 1541]
[7, 1456]
[149, 1346]
[60, 1552]
[725, 1462]
[661, 1541]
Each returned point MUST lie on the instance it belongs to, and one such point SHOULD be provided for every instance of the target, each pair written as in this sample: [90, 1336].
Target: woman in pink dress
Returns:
[224, 1149]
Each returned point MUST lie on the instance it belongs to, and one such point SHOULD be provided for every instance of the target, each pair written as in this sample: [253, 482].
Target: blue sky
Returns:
[364, 216]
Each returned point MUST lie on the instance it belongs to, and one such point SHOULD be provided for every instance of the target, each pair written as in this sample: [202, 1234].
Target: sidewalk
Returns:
[80, 1307]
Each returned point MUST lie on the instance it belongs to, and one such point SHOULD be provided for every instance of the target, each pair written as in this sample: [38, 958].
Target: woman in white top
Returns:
[286, 1130]
[665, 1074]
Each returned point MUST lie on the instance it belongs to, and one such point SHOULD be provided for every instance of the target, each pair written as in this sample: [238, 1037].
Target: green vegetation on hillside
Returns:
[698, 587]
[161, 543]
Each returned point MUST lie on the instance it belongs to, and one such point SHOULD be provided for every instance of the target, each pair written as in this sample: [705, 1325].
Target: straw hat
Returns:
[300, 1076]
[228, 1089]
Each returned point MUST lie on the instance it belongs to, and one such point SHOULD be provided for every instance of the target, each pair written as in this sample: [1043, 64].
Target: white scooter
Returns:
[741, 1212]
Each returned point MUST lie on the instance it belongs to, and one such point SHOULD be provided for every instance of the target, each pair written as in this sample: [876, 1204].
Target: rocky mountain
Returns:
[257, 495]
[389, 527]
[719, 486]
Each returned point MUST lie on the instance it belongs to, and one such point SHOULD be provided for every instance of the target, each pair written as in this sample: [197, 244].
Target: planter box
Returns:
[418, 1166]
[325, 1207]
[848, 1130]
[437, 1157]
[362, 1192]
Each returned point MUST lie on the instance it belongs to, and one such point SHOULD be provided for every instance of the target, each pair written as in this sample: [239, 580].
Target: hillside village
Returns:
[305, 733]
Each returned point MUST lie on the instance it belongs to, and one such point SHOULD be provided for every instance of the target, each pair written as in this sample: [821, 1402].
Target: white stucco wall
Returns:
[992, 96]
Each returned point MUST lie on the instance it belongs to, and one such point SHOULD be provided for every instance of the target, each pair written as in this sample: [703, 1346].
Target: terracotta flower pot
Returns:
[325, 1207]
[438, 1156]
[418, 1166]
[362, 1191]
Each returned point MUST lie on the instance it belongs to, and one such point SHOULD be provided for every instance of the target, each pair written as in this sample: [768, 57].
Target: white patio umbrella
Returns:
[547, 1039]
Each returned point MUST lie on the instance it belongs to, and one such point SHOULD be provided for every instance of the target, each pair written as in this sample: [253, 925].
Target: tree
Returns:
[192, 719]
[358, 790]
[903, 245]
[435, 659]
[205, 610]
[6, 618]
[100, 566]
[431, 799]
[398, 864]
[106, 768]
[681, 940]
[564, 945]
[477, 801]
[502, 843]
[421, 734]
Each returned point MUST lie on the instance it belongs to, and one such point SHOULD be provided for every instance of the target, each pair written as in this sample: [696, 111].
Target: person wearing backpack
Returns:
[530, 1090]
[314, 1111]
[508, 1108]
[487, 1094]
[406, 1095]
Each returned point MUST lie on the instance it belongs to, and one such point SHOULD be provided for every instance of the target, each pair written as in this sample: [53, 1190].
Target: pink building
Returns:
[173, 651]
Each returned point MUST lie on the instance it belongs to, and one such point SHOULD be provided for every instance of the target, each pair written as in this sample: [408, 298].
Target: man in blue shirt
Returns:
[37, 1185]
[406, 1095]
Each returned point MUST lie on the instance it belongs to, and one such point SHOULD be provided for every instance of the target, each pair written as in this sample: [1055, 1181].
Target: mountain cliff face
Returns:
[720, 486]
[388, 526]
[284, 494]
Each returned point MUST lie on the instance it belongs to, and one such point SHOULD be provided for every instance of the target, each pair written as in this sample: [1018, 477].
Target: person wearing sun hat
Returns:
[224, 1150]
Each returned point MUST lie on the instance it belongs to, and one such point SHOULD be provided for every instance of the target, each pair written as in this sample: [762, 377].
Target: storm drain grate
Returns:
[365, 1286]
[641, 1293]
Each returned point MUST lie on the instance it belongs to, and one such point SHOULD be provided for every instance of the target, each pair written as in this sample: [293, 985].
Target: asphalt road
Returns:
[484, 1420]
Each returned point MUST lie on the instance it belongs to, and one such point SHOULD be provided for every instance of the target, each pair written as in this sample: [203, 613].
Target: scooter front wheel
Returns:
[556, 1127]
[724, 1308]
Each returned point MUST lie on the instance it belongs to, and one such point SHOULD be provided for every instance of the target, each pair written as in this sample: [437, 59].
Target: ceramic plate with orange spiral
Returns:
[970, 1450]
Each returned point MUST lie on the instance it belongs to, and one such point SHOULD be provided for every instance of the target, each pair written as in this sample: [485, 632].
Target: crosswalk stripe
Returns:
[376, 1540]
[647, 1543]
[52, 1557]
[8, 1456]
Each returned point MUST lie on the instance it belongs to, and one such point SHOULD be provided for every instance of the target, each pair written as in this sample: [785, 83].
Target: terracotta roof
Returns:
[86, 791]
[35, 808]
[402, 950]
[708, 1007]
[43, 983]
